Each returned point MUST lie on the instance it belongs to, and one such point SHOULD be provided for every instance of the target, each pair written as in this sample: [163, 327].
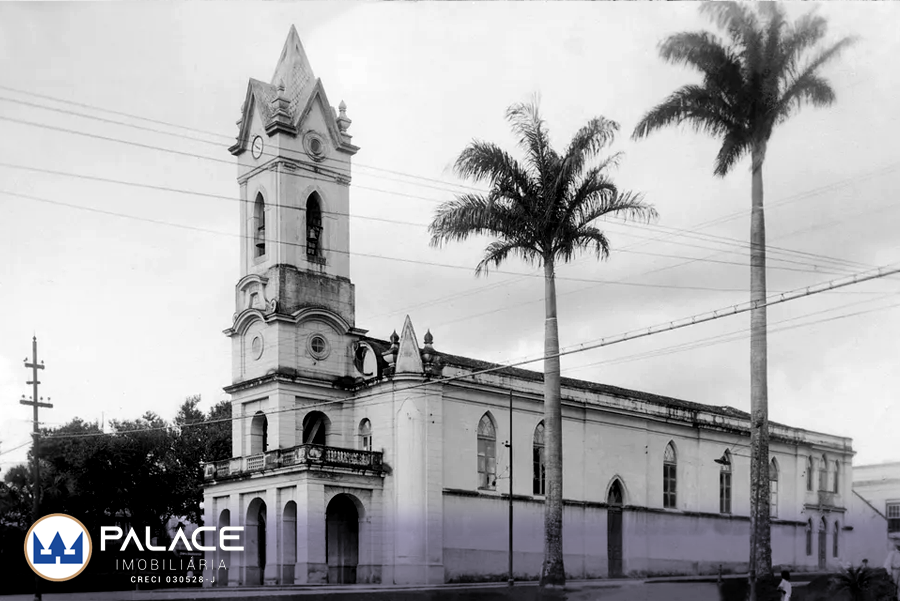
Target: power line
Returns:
[24, 444]
[582, 347]
[771, 249]
[358, 254]
[741, 334]
[361, 217]
[217, 144]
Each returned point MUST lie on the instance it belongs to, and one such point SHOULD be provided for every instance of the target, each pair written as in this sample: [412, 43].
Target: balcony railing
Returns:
[826, 498]
[306, 456]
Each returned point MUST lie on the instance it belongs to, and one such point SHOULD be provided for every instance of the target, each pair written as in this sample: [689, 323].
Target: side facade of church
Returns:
[360, 459]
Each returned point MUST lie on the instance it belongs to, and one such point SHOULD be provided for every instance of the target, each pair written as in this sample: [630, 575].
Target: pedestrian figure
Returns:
[784, 587]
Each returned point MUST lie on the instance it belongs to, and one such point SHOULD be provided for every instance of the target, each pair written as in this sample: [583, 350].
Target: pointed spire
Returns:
[293, 68]
[409, 361]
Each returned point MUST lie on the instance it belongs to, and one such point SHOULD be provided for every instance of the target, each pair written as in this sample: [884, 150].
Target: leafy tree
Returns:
[544, 210]
[762, 73]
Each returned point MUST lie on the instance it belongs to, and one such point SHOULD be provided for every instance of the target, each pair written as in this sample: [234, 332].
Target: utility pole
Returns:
[510, 581]
[35, 402]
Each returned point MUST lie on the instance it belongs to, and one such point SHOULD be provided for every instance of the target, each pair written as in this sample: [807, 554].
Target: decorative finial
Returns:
[429, 339]
[394, 339]
[343, 121]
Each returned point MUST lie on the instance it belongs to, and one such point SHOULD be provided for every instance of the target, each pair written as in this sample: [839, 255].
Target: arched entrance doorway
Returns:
[342, 540]
[614, 529]
[823, 543]
[255, 550]
[288, 542]
[224, 556]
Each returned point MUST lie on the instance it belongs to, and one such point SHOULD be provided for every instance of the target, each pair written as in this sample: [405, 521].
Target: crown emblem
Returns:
[57, 553]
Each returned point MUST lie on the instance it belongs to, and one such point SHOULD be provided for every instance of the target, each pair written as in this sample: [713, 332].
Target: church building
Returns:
[380, 459]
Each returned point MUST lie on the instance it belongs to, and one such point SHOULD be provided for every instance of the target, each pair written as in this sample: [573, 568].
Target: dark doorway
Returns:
[261, 537]
[255, 549]
[342, 540]
[614, 530]
[224, 556]
[823, 543]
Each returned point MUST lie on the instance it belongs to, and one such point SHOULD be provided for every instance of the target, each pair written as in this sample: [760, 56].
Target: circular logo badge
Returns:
[58, 547]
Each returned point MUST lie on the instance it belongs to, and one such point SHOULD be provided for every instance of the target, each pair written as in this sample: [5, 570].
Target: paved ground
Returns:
[621, 590]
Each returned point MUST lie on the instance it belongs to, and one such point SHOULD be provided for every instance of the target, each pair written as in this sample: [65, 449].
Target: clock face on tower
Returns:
[257, 147]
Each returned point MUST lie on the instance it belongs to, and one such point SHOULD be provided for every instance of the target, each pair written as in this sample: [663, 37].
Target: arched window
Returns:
[773, 488]
[616, 496]
[725, 483]
[313, 226]
[259, 222]
[315, 425]
[809, 474]
[259, 434]
[836, 482]
[809, 537]
[365, 435]
[539, 469]
[487, 453]
[823, 473]
[834, 544]
[669, 476]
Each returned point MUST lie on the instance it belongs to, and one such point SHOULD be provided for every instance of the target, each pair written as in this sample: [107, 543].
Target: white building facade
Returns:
[358, 459]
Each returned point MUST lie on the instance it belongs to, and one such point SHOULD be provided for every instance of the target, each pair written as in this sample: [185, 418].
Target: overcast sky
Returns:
[129, 313]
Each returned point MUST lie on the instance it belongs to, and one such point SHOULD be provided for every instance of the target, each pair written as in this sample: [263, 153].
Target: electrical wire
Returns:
[580, 348]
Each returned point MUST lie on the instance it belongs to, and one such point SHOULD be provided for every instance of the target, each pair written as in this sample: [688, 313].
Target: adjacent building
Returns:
[360, 458]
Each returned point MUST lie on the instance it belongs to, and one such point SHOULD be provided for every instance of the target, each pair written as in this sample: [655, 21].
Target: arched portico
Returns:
[255, 547]
[288, 542]
[224, 557]
[342, 517]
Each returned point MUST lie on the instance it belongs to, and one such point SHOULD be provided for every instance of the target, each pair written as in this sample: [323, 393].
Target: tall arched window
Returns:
[487, 452]
[834, 544]
[539, 469]
[809, 474]
[773, 488]
[365, 435]
[313, 226]
[669, 476]
[315, 426]
[259, 434]
[725, 483]
[836, 482]
[259, 222]
[809, 537]
[823, 473]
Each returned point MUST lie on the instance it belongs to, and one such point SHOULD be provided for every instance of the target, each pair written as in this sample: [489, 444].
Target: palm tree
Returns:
[543, 210]
[758, 77]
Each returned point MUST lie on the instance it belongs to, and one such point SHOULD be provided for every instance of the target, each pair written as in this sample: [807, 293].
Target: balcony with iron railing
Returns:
[299, 458]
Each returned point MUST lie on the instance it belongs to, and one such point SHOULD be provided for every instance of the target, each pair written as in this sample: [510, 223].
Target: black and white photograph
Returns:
[387, 301]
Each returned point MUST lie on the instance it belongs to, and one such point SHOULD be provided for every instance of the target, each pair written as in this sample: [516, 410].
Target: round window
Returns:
[318, 346]
[256, 347]
[315, 145]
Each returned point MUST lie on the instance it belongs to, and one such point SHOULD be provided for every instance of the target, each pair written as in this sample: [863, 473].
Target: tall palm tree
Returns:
[765, 70]
[544, 210]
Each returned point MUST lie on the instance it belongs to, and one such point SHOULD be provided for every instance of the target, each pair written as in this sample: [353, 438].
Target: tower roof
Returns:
[283, 104]
[294, 71]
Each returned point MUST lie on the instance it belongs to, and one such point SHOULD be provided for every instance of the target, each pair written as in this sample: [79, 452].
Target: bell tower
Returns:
[294, 155]
[294, 321]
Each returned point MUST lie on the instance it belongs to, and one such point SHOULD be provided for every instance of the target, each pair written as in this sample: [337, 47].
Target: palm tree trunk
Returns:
[760, 534]
[553, 572]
